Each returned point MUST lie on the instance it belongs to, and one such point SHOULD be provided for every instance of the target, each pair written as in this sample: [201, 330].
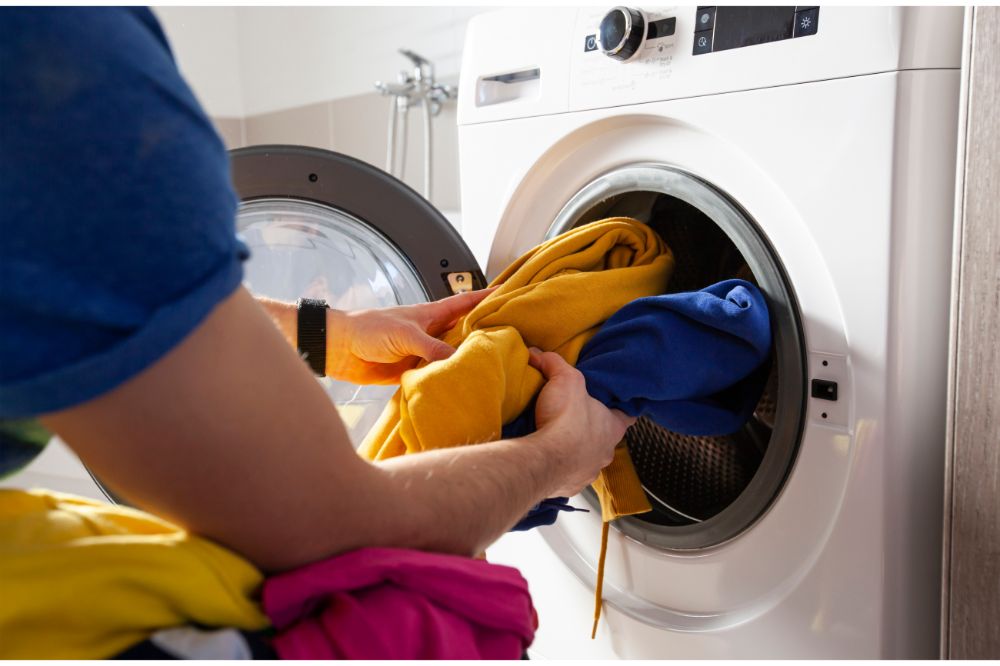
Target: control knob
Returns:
[621, 33]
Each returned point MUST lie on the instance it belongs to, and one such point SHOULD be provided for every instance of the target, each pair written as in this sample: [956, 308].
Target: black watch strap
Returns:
[312, 334]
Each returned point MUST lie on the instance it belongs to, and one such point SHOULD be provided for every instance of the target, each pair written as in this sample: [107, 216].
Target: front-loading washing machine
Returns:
[808, 149]
[811, 150]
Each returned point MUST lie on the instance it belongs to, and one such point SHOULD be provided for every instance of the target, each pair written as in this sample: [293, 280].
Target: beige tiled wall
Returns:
[303, 125]
[357, 126]
[231, 131]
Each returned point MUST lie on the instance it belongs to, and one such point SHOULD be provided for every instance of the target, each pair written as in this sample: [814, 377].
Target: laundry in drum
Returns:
[689, 362]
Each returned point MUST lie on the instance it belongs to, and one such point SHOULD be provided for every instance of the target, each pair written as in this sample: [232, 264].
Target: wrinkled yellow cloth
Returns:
[81, 579]
[554, 297]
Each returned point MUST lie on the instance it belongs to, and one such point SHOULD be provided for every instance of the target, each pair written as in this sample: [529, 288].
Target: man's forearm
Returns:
[460, 500]
[285, 317]
[456, 500]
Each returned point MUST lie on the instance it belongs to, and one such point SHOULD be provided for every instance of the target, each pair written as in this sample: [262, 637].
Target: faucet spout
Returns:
[423, 69]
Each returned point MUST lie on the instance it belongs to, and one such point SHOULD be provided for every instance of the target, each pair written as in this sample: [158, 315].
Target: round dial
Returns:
[621, 33]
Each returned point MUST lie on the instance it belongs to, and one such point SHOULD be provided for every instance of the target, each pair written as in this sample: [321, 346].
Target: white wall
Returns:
[206, 46]
[306, 75]
[294, 56]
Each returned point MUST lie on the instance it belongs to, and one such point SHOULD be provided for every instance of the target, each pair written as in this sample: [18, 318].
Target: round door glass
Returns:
[301, 249]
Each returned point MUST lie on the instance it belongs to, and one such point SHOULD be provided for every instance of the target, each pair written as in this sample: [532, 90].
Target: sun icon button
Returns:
[806, 22]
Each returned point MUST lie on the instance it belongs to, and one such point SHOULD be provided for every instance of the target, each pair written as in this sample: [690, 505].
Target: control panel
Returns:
[630, 54]
[524, 62]
[623, 31]
[723, 28]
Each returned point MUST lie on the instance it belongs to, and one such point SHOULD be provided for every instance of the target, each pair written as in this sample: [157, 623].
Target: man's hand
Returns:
[581, 432]
[377, 346]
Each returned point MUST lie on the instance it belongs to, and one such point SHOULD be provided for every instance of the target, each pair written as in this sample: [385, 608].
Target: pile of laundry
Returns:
[89, 580]
[82, 579]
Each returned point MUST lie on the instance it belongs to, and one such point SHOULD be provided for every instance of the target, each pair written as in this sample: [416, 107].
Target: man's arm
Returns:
[230, 436]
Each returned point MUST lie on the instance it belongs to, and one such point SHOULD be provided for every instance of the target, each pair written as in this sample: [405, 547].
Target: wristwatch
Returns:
[312, 333]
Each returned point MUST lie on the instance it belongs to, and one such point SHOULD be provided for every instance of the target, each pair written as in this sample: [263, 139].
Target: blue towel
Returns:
[690, 362]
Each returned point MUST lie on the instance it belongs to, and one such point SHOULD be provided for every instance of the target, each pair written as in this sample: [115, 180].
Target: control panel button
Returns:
[806, 22]
[621, 33]
[590, 43]
[705, 19]
[702, 42]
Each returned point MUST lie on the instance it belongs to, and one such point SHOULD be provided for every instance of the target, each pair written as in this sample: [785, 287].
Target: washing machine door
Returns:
[324, 225]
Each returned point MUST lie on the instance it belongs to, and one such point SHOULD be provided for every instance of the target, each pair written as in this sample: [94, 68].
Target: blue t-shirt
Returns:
[117, 214]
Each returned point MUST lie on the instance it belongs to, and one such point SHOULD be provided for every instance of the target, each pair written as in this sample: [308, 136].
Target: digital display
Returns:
[746, 26]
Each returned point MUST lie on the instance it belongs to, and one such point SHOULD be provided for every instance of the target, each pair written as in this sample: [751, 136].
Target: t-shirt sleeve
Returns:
[117, 214]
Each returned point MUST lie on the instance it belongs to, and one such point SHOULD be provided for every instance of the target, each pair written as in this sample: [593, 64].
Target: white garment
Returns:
[191, 643]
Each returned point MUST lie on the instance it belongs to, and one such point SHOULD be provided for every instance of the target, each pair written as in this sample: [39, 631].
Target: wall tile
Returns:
[357, 126]
[360, 129]
[302, 126]
[231, 131]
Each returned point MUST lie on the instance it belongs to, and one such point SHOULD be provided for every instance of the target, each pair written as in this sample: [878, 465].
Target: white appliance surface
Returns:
[841, 147]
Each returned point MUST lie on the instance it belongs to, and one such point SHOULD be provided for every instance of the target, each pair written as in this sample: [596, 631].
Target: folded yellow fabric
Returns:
[554, 297]
[81, 579]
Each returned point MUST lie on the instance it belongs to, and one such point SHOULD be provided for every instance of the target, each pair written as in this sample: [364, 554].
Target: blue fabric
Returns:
[686, 361]
[544, 513]
[117, 216]
[691, 362]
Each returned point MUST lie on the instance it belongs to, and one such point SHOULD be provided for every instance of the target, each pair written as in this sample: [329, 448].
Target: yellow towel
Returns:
[554, 297]
[81, 579]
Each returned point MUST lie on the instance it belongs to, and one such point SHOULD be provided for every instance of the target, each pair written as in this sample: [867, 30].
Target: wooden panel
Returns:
[971, 619]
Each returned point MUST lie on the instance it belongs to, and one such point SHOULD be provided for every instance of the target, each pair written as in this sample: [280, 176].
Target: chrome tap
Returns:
[417, 87]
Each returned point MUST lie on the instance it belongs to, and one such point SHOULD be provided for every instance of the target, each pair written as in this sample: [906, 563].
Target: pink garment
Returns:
[386, 603]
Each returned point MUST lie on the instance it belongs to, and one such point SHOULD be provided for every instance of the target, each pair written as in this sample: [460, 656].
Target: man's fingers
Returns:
[550, 364]
[430, 349]
[453, 307]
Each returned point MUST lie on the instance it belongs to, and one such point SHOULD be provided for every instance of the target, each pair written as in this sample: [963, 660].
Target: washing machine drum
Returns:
[691, 479]
[706, 490]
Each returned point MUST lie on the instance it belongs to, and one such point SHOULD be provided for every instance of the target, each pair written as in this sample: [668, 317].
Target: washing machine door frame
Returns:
[789, 350]
[371, 197]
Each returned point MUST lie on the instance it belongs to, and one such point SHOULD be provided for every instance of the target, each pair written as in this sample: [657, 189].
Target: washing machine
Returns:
[811, 150]
[808, 149]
